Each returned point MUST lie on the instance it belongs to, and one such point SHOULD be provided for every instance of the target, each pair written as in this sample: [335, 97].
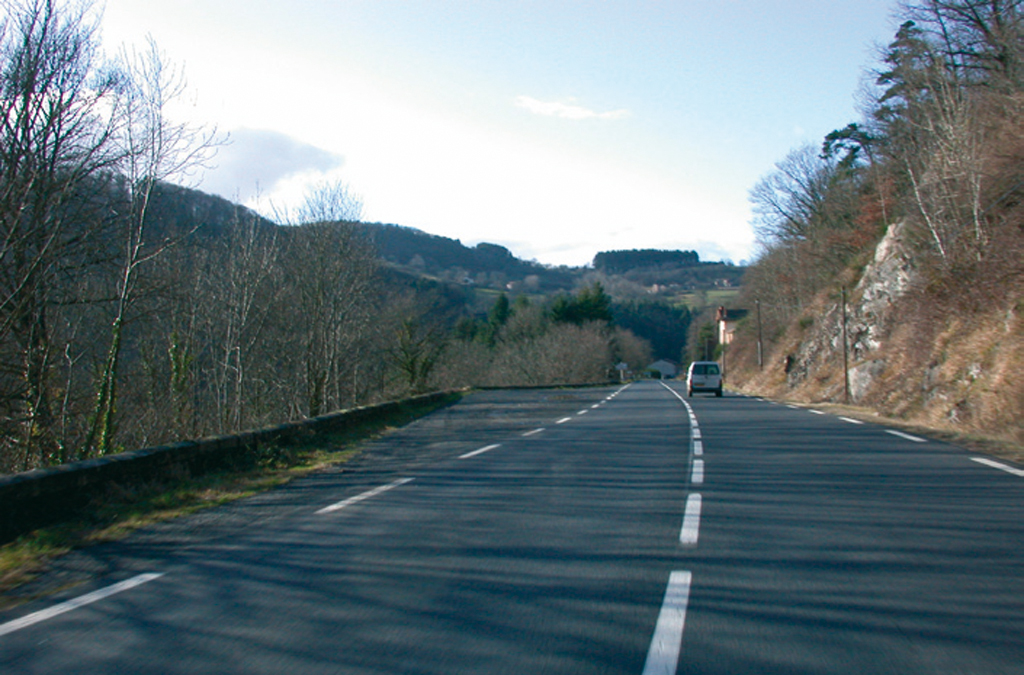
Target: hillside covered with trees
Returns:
[914, 215]
[135, 312]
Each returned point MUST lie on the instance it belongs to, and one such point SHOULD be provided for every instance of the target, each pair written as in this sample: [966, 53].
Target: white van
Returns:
[704, 376]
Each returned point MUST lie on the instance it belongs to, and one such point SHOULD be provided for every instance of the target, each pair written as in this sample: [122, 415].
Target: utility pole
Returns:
[760, 344]
[846, 365]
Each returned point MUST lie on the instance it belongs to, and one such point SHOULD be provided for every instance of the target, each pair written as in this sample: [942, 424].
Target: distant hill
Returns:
[175, 211]
[621, 262]
[484, 264]
[680, 269]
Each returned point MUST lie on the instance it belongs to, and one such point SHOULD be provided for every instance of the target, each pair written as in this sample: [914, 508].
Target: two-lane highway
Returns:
[616, 530]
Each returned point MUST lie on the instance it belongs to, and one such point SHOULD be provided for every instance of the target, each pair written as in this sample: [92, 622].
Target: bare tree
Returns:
[58, 122]
[153, 149]
[934, 124]
[331, 268]
[328, 202]
[979, 40]
[248, 298]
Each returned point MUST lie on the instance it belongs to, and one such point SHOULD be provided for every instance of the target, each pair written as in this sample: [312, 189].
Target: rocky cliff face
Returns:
[813, 363]
[907, 356]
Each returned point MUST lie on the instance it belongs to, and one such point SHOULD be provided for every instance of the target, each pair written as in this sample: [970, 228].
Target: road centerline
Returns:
[691, 521]
[697, 475]
[666, 643]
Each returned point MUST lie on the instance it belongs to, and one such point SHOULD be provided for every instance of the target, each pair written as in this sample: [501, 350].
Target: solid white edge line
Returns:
[906, 436]
[365, 495]
[999, 465]
[564, 420]
[691, 521]
[667, 641]
[486, 448]
[850, 420]
[534, 432]
[697, 477]
[88, 598]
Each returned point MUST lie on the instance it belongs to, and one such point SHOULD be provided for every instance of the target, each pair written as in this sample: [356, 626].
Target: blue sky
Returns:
[558, 129]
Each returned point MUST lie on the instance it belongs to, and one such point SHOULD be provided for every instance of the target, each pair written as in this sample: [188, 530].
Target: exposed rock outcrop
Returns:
[907, 354]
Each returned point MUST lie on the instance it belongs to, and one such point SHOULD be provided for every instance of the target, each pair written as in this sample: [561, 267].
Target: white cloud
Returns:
[261, 160]
[568, 111]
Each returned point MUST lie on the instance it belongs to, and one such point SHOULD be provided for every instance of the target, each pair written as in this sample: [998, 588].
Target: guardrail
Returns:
[43, 497]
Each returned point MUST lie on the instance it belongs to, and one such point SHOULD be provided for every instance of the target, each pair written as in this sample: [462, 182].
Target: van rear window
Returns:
[705, 369]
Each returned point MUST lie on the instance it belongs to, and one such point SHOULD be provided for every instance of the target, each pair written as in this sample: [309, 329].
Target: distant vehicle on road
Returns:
[704, 376]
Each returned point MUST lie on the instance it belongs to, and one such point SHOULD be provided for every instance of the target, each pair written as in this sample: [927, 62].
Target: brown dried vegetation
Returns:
[934, 332]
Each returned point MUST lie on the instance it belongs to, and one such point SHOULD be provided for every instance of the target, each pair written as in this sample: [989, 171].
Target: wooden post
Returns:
[760, 343]
[846, 364]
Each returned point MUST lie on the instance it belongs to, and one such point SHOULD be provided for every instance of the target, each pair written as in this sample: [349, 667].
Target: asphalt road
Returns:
[586, 531]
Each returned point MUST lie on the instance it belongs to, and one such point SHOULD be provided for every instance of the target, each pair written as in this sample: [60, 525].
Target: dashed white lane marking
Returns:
[486, 448]
[88, 598]
[697, 477]
[906, 436]
[851, 420]
[817, 412]
[595, 406]
[663, 654]
[583, 412]
[691, 521]
[366, 495]
[999, 465]
[793, 407]
[698, 448]
[695, 432]
[563, 420]
[534, 432]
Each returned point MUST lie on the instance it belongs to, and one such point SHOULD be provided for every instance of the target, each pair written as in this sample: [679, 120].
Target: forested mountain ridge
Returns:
[620, 262]
[910, 224]
[485, 264]
[177, 211]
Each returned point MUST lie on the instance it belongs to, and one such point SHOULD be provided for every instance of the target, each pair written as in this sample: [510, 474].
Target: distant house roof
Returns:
[666, 367]
[727, 319]
[731, 314]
